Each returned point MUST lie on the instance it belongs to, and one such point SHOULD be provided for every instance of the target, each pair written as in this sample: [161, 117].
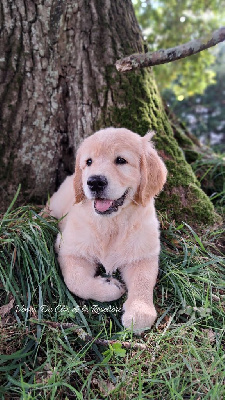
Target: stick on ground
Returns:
[87, 338]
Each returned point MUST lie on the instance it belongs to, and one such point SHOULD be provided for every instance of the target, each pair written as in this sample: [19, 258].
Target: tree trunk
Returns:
[59, 84]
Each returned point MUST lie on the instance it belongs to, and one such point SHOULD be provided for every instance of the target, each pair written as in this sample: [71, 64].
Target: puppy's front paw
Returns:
[138, 314]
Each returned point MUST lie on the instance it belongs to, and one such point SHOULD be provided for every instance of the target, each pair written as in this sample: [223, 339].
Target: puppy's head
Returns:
[115, 167]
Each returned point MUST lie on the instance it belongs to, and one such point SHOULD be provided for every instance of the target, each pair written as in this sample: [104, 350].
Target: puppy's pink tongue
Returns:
[103, 205]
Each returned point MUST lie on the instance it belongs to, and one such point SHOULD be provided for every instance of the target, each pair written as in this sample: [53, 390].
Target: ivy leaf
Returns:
[108, 355]
[118, 350]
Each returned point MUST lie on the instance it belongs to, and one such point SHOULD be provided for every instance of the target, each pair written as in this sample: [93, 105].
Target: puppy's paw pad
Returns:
[118, 284]
[116, 288]
[138, 315]
[112, 289]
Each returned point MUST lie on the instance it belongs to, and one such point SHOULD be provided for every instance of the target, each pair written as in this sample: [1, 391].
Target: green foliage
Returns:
[170, 23]
[184, 355]
[204, 114]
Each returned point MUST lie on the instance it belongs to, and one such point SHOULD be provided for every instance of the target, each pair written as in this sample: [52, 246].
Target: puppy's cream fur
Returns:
[127, 239]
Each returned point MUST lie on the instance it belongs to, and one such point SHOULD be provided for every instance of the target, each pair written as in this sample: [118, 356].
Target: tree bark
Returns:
[59, 84]
[54, 60]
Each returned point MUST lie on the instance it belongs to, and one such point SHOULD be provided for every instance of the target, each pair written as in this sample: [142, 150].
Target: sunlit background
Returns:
[194, 87]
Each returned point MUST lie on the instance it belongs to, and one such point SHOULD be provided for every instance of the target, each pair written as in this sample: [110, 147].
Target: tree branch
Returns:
[162, 56]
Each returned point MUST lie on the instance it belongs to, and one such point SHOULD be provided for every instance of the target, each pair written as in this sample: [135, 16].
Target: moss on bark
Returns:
[137, 106]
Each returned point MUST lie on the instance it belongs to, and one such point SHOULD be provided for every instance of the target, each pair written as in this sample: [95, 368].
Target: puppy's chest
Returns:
[113, 250]
[112, 246]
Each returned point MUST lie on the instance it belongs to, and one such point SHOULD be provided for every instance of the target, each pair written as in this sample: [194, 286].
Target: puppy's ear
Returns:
[77, 182]
[153, 172]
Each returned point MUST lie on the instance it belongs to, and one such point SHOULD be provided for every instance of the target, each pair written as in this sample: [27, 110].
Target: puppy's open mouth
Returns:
[106, 206]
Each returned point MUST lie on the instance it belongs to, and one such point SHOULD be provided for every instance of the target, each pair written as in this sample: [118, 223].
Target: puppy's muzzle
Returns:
[97, 184]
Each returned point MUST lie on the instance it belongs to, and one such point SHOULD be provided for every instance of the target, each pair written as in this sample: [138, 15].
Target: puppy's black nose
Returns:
[97, 183]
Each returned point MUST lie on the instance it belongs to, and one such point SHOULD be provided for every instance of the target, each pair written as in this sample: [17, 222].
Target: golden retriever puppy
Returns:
[110, 219]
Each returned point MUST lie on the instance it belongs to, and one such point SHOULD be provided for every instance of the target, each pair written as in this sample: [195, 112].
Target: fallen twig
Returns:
[4, 310]
[162, 56]
[88, 338]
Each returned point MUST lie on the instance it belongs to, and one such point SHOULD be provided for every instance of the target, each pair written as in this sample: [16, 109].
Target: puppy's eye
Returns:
[89, 162]
[120, 160]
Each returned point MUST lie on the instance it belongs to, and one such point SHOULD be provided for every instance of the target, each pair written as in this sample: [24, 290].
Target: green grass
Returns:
[183, 356]
[211, 174]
